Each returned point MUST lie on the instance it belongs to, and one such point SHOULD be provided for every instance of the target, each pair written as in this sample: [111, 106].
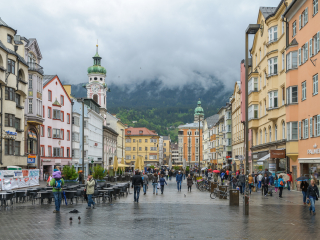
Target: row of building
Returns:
[283, 92]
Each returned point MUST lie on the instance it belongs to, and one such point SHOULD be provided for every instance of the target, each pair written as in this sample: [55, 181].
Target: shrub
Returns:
[69, 173]
[98, 172]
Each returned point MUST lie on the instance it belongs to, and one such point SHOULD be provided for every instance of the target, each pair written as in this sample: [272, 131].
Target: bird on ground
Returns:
[79, 218]
[185, 196]
[70, 218]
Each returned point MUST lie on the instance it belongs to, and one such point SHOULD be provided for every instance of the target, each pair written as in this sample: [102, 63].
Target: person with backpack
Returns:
[189, 182]
[281, 185]
[57, 182]
[145, 183]
[90, 185]
[179, 180]
[155, 183]
[137, 182]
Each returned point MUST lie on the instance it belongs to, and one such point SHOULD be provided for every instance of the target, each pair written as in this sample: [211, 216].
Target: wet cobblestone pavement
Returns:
[168, 216]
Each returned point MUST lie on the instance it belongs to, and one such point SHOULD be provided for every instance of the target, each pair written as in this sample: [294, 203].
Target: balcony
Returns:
[35, 67]
[274, 113]
[253, 123]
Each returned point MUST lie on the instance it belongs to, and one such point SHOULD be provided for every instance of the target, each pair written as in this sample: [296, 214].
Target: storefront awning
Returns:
[264, 158]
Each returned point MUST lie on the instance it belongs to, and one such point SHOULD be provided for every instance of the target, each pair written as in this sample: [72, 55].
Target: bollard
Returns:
[233, 197]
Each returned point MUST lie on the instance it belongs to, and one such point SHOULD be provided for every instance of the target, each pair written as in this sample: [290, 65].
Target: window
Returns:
[56, 114]
[273, 34]
[315, 84]
[153, 148]
[146, 148]
[75, 137]
[273, 99]
[68, 152]
[229, 113]
[30, 105]
[49, 151]
[42, 151]
[62, 116]
[140, 140]
[303, 18]
[49, 95]
[75, 153]
[56, 133]
[30, 83]
[283, 130]
[252, 85]
[294, 28]
[133, 157]
[153, 140]
[128, 157]
[68, 118]
[304, 53]
[57, 152]
[61, 100]
[134, 140]
[68, 135]
[85, 123]
[128, 148]
[140, 149]
[253, 112]
[275, 133]
[305, 128]
[9, 94]
[282, 60]
[9, 120]
[16, 148]
[282, 28]
[11, 66]
[316, 44]
[265, 136]
[62, 134]
[32, 142]
[128, 140]
[229, 142]
[317, 126]
[49, 132]
[42, 131]
[17, 99]
[265, 78]
[273, 66]
[146, 140]
[292, 94]
[292, 61]
[315, 7]
[283, 95]
[228, 128]
[152, 157]
[9, 39]
[49, 112]
[134, 148]
[76, 121]
[292, 131]
[17, 123]
[270, 135]
[9, 146]
[304, 90]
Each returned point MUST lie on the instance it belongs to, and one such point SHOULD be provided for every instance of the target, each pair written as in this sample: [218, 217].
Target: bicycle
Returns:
[216, 192]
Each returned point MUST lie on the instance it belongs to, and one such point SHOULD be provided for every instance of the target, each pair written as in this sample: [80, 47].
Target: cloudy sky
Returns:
[176, 41]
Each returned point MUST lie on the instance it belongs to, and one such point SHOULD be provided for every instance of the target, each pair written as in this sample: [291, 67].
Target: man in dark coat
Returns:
[137, 183]
[265, 183]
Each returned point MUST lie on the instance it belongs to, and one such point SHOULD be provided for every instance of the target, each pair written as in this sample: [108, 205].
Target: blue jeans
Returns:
[184, 177]
[259, 185]
[90, 201]
[312, 208]
[155, 189]
[304, 196]
[234, 185]
[145, 188]
[136, 193]
[169, 178]
[179, 185]
[57, 200]
[256, 186]
[243, 187]
[288, 183]
[250, 186]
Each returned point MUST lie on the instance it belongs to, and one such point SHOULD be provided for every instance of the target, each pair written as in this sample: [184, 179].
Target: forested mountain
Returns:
[160, 108]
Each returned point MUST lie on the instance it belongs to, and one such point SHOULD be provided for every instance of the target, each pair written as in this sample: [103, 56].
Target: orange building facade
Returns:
[302, 88]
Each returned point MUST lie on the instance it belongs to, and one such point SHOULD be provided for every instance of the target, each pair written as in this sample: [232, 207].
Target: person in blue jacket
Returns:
[162, 182]
[179, 180]
[281, 184]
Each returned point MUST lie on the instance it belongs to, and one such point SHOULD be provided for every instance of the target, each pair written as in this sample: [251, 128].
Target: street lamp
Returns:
[189, 148]
[252, 29]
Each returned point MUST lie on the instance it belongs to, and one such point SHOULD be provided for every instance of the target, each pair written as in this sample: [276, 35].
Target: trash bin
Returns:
[223, 189]
[234, 197]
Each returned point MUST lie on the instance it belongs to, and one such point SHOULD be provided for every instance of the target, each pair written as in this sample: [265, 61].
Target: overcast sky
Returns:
[176, 41]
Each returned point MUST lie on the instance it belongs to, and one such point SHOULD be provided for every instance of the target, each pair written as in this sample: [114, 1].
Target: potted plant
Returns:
[98, 173]
[69, 174]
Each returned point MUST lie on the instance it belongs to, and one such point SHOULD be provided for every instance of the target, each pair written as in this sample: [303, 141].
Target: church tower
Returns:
[97, 88]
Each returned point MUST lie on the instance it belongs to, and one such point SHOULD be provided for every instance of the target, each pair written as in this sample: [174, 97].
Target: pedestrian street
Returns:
[173, 215]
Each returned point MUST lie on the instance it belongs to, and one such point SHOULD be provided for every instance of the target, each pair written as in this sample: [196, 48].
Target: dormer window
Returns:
[129, 132]
[140, 132]
[95, 78]
[9, 39]
[100, 79]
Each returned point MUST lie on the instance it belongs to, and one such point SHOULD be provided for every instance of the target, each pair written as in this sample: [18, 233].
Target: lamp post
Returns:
[200, 115]
[189, 148]
[252, 29]
[81, 100]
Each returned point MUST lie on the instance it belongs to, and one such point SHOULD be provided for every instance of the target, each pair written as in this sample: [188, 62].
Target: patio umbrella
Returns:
[115, 164]
[65, 198]
[170, 163]
[141, 163]
[137, 164]
[285, 176]
[204, 168]
[302, 179]
[216, 171]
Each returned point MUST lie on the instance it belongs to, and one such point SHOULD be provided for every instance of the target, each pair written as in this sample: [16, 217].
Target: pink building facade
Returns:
[243, 107]
[55, 133]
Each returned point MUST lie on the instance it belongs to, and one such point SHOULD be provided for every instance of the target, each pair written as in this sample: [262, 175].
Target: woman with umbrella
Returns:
[304, 188]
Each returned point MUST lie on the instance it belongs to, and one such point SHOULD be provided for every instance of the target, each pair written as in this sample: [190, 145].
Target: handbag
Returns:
[158, 186]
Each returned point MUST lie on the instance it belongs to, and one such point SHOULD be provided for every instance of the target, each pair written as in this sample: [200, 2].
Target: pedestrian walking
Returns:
[145, 183]
[184, 175]
[80, 178]
[256, 182]
[179, 180]
[234, 182]
[215, 177]
[170, 175]
[210, 175]
[250, 181]
[57, 182]
[242, 181]
[162, 182]
[276, 184]
[189, 182]
[265, 183]
[155, 183]
[259, 180]
[222, 175]
[281, 185]
[304, 188]
[312, 195]
[136, 185]
[90, 184]
[167, 174]
[290, 180]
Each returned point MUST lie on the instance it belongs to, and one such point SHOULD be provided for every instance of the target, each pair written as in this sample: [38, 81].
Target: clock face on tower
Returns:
[95, 88]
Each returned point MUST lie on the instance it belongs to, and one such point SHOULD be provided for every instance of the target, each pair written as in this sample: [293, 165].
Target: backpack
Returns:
[281, 183]
[58, 184]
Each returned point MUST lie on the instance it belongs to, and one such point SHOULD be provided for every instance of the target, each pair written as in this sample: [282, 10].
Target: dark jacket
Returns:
[304, 186]
[179, 177]
[154, 179]
[265, 181]
[137, 180]
[162, 181]
[242, 178]
[312, 191]
[189, 181]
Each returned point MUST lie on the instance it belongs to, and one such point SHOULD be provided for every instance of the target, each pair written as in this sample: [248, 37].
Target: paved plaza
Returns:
[169, 216]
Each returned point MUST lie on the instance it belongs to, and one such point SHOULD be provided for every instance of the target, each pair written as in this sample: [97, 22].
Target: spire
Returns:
[97, 47]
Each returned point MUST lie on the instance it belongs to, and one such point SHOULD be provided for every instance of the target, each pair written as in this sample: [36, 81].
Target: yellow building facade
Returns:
[266, 89]
[141, 142]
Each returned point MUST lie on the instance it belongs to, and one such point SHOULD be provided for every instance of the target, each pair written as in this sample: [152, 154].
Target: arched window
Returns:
[1, 61]
[270, 135]
[275, 133]
[32, 142]
[95, 78]
[100, 79]
[95, 98]
[31, 58]
[21, 74]
[283, 130]
[265, 136]
[261, 137]
[257, 142]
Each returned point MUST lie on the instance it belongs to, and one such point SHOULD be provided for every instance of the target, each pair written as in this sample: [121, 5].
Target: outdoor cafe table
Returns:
[3, 197]
[104, 191]
[111, 190]
[44, 195]
[70, 195]
[20, 194]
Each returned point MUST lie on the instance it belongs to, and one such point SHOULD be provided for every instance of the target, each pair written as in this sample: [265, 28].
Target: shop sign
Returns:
[46, 160]
[274, 153]
[31, 160]
[315, 150]
[11, 133]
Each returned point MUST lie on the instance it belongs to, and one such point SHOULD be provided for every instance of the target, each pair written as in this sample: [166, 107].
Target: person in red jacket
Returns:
[290, 180]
